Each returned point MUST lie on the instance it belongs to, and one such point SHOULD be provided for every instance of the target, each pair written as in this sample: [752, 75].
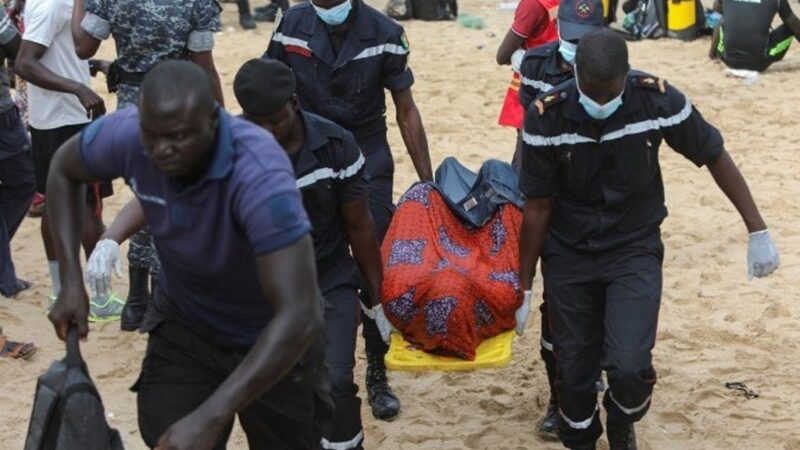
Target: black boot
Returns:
[548, 426]
[245, 18]
[385, 405]
[621, 436]
[138, 298]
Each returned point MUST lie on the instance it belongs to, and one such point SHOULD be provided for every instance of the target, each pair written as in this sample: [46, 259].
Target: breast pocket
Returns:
[320, 202]
[634, 161]
[575, 169]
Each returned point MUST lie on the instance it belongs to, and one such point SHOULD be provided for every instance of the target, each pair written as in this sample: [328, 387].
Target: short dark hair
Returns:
[263, 86]
[602, 56]
[178, 79]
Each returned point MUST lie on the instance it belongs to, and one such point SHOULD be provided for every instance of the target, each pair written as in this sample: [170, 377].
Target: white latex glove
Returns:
[522, 312]
[516, 59]
[103, 260]
[762, 256]
[384, 326]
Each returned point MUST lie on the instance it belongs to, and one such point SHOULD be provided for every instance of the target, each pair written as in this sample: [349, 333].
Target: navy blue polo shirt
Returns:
[208, 234]
[330, 173]
[604, 176]
[540, 72]
[347, 86]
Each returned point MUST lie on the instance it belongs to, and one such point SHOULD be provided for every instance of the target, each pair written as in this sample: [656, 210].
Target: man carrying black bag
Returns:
[67, 410]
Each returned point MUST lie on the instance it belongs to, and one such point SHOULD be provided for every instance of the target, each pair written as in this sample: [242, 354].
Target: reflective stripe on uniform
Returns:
[352, 443]
[537, 84]
[629, 130]
[286, 40]
[629, 411]
[381, 49]
[546, 345]
[582, 425]
[651, 124]
[326, 173]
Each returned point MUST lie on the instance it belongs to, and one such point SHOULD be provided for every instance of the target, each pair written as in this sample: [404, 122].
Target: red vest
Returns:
[512, 114]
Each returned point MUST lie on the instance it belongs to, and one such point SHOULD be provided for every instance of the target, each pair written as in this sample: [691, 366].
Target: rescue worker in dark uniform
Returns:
[593, 210]
[344, 53]
[543, 68]
[331, 176]
[745, 39]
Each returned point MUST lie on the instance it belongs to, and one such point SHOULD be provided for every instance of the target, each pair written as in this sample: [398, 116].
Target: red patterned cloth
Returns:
[446, 287]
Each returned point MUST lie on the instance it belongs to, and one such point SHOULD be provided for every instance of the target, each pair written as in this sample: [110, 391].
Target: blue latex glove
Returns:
[762, 256]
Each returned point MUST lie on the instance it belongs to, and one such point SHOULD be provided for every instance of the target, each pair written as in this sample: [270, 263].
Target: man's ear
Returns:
[214, 117]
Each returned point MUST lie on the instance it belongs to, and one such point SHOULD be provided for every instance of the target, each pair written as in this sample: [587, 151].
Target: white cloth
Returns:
[47, 23]
[521, 314]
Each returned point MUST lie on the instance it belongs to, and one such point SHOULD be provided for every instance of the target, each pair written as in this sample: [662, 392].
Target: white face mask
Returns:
[336, 15]
[594, 109]
[567, 50]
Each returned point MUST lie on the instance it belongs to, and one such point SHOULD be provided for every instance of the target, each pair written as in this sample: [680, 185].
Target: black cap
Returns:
[579, 17]
[263, 86]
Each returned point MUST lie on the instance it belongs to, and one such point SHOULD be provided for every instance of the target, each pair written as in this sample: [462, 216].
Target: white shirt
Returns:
[47, 22]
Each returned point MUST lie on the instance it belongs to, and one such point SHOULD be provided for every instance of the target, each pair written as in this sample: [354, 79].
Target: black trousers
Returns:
[341, 322]
[181, 369]
[380, 167]
[603, 310]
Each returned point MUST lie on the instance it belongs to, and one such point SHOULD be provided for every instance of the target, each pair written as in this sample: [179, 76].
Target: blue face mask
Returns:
[594, 109]
[567, 50]
[336, 15]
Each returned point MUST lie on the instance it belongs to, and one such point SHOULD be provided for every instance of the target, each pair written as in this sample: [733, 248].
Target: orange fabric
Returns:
[446, 288]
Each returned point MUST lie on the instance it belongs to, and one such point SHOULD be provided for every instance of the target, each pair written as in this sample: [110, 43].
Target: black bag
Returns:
[422, 9]
[67, 411]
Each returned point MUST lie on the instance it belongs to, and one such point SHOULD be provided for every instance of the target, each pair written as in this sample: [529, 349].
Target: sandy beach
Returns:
[715, 327]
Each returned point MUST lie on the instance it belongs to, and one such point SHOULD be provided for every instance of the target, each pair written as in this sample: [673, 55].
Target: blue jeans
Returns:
[17, 186]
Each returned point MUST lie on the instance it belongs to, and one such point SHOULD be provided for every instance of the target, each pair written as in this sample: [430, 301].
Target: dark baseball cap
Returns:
[263, 86]
[579, 17]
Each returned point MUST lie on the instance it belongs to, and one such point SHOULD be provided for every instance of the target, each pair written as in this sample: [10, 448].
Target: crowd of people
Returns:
[254, 250]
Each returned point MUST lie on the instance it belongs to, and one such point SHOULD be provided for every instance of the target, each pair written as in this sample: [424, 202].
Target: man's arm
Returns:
[733, 184]
[360, 229]
[788, 17]
[129, 221]
[206, 61]
[66, 198]
[511, 43]
[715, 37]
[86, 45]
[30, 68]
[535, 219]
[409, 121]
[289, 282]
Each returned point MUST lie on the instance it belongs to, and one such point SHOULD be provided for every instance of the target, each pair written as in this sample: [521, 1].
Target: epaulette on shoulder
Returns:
[650, 82]
[549, 99]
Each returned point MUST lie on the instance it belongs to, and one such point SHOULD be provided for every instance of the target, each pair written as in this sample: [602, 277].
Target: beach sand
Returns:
[716, 326]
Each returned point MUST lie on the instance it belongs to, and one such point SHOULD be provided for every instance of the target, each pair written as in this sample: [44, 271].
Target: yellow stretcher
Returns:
[493, 352]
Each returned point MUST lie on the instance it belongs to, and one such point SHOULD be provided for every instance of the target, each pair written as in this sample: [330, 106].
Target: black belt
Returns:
[131, 78]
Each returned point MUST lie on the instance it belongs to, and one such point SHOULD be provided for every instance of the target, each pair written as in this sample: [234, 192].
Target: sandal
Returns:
[16, 350]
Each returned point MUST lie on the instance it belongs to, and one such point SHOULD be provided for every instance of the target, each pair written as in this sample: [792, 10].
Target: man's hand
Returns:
[762, 256]
[72, 306]
[522, 312]
[103, 260]
[94, 104]
[384, 326]
[194, 432]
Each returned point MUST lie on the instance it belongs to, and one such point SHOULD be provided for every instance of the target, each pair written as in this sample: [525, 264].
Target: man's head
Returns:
[576, 18]
[265, 90]
[178, 118]
[601, 65]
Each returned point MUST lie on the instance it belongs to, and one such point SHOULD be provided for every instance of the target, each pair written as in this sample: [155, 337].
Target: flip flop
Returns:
[16, 350]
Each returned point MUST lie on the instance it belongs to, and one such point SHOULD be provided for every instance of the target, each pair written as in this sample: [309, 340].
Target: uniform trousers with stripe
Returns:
[603, 312]
[341, 321]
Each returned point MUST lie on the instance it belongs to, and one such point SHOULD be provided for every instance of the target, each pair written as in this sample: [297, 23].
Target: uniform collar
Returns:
[222, 163]
[553, 64]
[357, 39]
[313, 139]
